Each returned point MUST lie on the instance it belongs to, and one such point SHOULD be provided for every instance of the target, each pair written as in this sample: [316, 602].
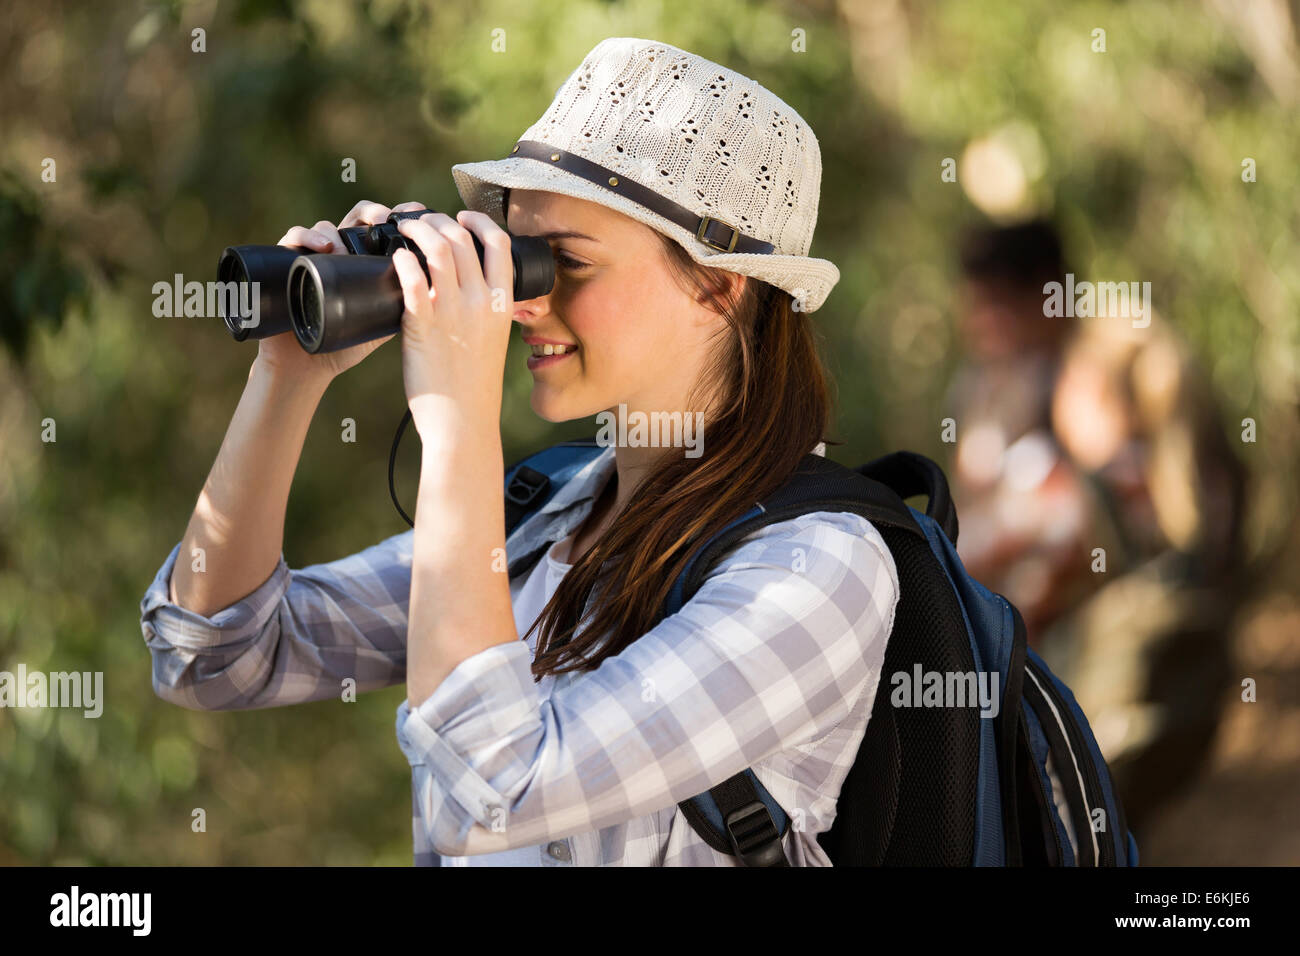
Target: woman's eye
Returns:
[571, 264]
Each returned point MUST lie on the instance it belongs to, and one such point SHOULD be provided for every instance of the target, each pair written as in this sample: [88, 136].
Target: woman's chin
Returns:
[548, 405]
[556, 406]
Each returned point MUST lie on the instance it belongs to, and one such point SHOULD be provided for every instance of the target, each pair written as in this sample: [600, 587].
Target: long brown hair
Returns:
[772, 408]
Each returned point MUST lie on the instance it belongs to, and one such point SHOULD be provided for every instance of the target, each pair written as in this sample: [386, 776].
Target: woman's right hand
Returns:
[282, 353]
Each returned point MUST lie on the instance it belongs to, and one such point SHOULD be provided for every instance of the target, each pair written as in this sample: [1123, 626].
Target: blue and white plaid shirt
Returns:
[773, 665]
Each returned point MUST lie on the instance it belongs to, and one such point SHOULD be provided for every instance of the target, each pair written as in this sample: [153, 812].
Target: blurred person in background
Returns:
[1098, 492]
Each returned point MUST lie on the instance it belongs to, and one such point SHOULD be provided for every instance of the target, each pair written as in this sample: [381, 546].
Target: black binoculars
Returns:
[333, 301]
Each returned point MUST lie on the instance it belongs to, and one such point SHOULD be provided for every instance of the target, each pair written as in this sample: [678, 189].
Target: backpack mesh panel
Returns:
[918, 810]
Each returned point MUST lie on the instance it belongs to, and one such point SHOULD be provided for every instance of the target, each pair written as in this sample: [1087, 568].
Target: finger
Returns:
[469, 272]
[306, 238]
[408, 206]
[438, 254]
[498, 269]
[365, 212]
[326, 228]
[415, 291]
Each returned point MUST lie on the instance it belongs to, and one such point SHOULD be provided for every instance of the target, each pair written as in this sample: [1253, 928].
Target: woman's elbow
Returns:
[195, 681]
[176, 685]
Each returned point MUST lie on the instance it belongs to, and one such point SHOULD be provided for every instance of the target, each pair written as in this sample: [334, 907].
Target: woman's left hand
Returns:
[454, 337]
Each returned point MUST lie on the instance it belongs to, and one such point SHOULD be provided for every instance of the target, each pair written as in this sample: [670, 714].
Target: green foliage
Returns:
[38, 282]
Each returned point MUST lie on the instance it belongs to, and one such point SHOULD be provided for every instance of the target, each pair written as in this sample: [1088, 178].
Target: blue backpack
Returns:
[931, 785]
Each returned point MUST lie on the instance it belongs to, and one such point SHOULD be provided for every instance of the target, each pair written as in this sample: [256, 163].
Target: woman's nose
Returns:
[529, 311]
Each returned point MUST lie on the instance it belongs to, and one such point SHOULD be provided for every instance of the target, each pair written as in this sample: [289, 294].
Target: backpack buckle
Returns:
[754, 837]
[526, 484]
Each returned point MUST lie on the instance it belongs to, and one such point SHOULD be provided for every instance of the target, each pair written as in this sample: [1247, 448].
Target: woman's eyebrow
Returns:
[566, 235]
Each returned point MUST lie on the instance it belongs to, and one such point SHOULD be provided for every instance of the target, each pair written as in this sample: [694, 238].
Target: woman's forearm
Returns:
[239, 519]
[460, 593]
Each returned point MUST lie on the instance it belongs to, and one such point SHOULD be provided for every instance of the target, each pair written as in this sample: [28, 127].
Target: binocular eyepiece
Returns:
[331, 302]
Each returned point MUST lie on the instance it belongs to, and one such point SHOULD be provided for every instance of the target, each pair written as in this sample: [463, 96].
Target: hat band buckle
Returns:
[707, 223]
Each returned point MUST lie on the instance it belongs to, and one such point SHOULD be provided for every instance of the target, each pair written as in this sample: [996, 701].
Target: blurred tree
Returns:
[38, 283]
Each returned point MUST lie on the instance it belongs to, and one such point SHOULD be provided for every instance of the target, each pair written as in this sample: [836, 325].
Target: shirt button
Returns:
[559, 850]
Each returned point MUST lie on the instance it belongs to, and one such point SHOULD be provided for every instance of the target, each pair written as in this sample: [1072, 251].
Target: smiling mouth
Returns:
[548, 349]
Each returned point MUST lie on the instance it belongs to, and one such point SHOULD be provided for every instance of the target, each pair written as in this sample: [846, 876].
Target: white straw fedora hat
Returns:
[690, 148]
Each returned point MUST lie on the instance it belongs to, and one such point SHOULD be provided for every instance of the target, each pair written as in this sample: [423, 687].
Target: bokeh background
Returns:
[165, 155]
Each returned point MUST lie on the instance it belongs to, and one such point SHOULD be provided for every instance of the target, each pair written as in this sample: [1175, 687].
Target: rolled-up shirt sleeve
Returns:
[296, 638]
[779, 644]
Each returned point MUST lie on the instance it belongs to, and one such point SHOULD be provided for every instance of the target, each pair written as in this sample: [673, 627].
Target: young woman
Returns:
[531, 741]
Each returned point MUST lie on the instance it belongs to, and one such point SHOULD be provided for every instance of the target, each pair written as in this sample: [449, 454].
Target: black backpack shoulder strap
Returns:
[752, 824]
[906, 473]
[817, 485]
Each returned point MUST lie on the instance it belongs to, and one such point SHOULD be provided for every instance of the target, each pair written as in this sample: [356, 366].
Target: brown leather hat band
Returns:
[713, 232]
